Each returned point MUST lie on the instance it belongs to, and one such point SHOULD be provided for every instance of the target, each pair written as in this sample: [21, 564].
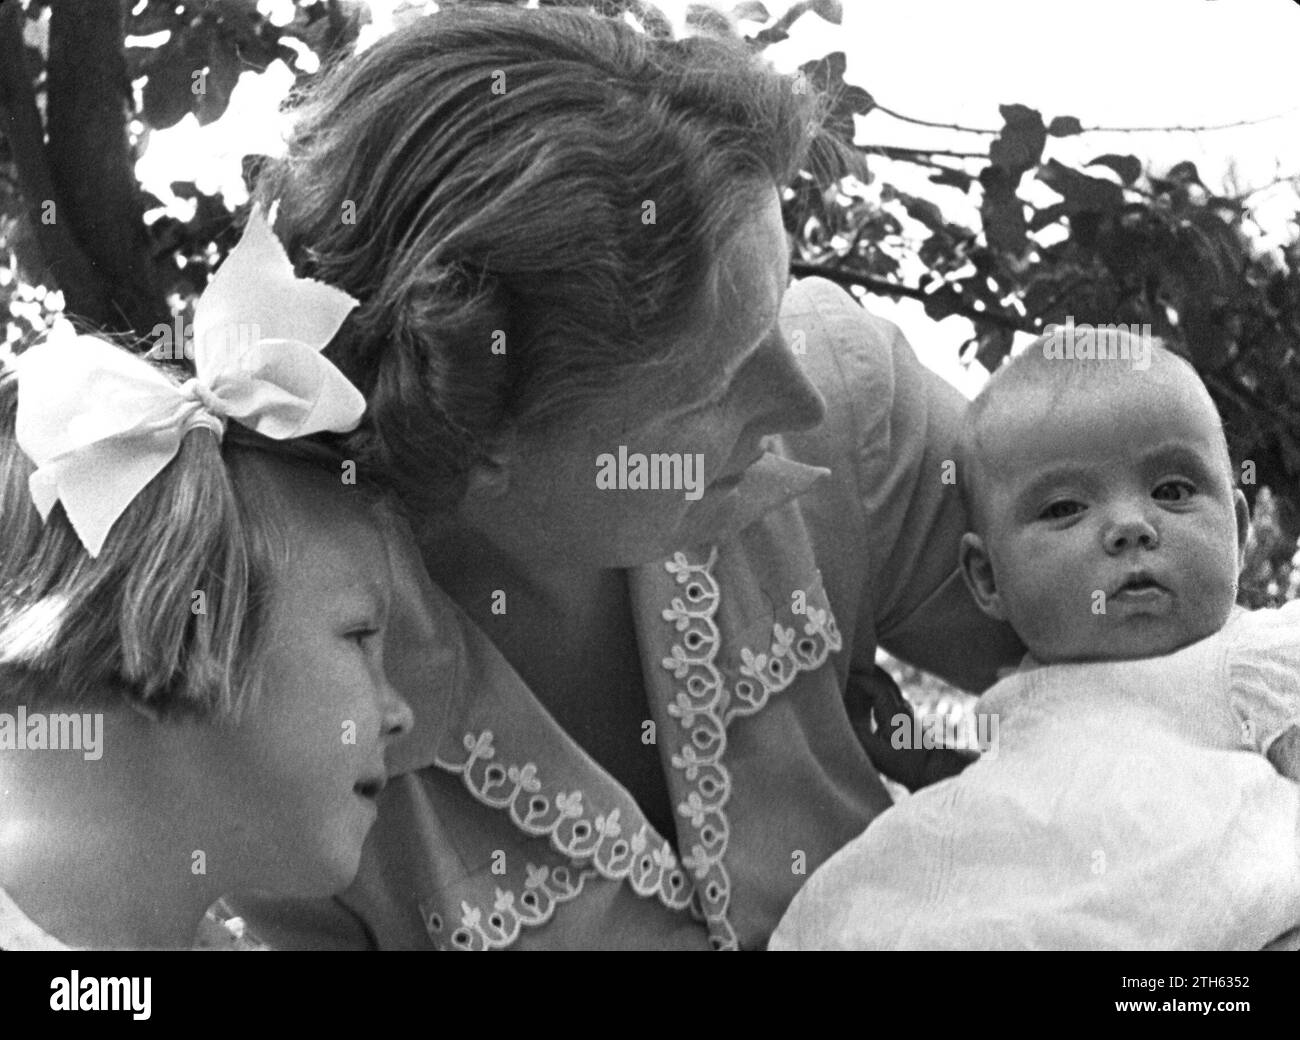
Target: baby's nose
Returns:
[1129, 533]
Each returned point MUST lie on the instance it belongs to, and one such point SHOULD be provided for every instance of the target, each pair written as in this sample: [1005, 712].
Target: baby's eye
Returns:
[1174, 491]
[1060, 510]
[362, 636]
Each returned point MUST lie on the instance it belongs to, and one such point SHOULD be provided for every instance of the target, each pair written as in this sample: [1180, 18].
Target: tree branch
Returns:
[920, 155]
[1184, 129]
[60, 261]
[883, 287]
[91, 161]
[1087, 129]
[930, 123]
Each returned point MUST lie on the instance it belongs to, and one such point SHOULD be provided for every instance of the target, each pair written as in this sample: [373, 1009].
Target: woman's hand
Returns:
[875, 696]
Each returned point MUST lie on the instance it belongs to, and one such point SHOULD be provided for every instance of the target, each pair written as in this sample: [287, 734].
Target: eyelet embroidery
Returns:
[544, 889]
[597, 843]
[776, 670]
[703, 706]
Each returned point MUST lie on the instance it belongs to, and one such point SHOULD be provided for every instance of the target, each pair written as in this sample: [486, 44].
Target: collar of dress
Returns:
[480, 721]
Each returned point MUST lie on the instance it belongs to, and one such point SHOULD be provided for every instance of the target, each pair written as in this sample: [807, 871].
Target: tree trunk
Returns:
[92, 164]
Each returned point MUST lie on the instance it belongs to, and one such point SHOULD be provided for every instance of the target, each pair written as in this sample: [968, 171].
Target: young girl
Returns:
[191, 639]
[1142, 791]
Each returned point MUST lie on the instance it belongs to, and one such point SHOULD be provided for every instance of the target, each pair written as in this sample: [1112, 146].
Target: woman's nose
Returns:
[1130, 532]
[790, 402]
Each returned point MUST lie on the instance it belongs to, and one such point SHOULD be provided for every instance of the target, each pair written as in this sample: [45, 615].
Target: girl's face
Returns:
[302, 768]
[740, 383]
[1113, 527]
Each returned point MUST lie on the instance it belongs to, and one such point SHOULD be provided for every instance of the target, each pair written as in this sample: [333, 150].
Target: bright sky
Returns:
[1107, 62]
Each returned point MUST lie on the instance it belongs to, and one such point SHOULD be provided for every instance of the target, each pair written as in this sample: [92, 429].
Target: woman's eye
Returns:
[361, 636]
[1174, 491]
[1060, 510]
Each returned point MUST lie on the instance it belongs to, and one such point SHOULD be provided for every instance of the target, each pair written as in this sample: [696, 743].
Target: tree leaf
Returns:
[924, 211]
[994, 345]
[751, 11]
[1081, 192]
[223, 73]
[827, 76]
[831, 10]
[1003, 211]
[1064, 126]
[1129, 167]
[709, 20]
[1020, 144]
[167, 97]
[958, 179]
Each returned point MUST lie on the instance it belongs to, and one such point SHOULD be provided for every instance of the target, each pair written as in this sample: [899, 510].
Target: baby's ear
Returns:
[1243, 526]
[977, 572]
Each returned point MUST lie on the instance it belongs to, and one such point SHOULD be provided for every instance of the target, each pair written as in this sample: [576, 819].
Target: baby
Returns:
[193, 608]
[1142, 792]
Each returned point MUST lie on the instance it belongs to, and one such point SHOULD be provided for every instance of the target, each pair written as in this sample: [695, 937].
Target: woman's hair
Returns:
[530, 204]
[128, 622]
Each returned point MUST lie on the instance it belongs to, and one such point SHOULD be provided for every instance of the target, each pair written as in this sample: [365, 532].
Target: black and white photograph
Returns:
[649, 475]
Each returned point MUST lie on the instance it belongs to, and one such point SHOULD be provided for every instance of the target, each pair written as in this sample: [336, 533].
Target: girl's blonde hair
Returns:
[131, 622]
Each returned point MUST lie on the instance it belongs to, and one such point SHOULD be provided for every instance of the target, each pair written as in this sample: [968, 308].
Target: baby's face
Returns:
[1113, 528]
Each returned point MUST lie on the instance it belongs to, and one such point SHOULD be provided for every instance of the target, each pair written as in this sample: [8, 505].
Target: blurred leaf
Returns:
[994, 345]
[953, 178]
[1129, 167]
[827, 75]
[1003, 211]
[167, 95]
[1020, 144]
[925, 211]
[831, 10]
[1081, 192]
[1064, 126]
[1184, 173]
[223, 73]
[709, 20]
[751, 10]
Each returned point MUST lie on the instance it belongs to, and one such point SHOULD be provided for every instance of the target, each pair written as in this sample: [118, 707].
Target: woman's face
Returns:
[572, 498]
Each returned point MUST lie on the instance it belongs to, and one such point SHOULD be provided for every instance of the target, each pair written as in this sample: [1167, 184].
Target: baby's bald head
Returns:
[1033, 385]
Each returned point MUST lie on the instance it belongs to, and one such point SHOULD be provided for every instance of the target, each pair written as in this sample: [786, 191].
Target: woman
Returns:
[568, 244]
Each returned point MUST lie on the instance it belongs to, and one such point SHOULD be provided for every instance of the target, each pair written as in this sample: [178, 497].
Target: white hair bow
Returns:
[101, 423]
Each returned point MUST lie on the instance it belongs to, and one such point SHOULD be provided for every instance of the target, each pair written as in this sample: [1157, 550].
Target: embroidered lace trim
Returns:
[591, 842]
[703, 705]
[545, 888]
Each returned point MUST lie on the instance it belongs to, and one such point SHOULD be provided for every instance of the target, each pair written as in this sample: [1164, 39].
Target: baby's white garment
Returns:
[1126, 805]
[20, 932]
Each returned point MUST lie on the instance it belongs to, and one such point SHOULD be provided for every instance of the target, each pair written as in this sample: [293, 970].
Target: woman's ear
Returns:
[977, 572]
[489, 479]
[133, 701]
